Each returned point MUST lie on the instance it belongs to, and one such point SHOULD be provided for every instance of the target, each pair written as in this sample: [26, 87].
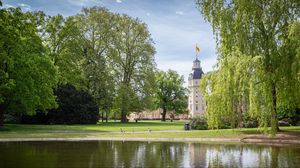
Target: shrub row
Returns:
[74, 107]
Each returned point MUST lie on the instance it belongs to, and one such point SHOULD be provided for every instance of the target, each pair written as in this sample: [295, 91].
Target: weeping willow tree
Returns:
[258, 59]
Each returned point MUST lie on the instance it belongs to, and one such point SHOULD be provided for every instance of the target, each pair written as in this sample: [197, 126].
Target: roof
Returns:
[196, 74]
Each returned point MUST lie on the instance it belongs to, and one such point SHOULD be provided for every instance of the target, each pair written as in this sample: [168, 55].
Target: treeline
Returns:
[106, 55]
[258, 71]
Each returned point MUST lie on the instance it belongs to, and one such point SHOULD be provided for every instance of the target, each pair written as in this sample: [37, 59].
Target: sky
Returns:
[175, 26]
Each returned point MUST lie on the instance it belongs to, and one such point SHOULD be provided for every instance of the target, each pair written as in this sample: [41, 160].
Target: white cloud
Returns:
[148, 14]
[179, 12]
[119, 1]
[24, 6]
[8, 6]
[83, 2]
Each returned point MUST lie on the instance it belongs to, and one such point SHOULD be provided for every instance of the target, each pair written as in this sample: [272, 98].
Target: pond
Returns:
[144, 154]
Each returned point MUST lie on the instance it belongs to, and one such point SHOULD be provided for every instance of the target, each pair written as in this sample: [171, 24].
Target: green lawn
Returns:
[111, 126]
[132, 130]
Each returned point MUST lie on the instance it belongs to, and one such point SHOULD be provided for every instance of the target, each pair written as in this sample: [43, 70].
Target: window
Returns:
[196, 107]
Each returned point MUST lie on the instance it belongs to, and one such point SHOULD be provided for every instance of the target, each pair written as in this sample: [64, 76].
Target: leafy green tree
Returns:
[226, 91]
[62, 39]
[27, 74]
[171, 95]
[95, 25]
[259, 31]
[131, 56]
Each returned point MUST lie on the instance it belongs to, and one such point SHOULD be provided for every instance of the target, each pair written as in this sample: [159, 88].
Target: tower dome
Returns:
[196, 70]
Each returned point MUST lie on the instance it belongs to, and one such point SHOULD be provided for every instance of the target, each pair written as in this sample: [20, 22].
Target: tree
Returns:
[171, 95]
[75, 107]
[95, 25]
[259, 30]
[27, 74]
[63, 40]
[226, 91]
[131, 56]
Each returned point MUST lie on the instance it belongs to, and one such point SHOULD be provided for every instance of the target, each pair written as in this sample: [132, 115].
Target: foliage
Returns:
[111, 56]
[27, 74]
[62, 38]
[131, 56]
[198, 123]
[258, 58]
[95, 26]
[249, 122]
[39, 118]
[291, 116]
[171, 95]
[75, 107]
[225, 90]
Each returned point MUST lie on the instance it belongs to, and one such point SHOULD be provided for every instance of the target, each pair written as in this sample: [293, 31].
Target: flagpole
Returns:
[196, 50]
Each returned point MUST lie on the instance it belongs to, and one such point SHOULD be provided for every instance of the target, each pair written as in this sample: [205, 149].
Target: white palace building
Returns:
[196, 102]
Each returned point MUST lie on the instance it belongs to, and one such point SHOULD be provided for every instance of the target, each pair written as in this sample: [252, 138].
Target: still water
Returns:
[144, 154]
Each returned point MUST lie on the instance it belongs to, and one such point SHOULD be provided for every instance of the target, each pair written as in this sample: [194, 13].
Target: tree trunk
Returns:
[164, 114]
[102, 116]
[106, 117]
[274, 118]
[124, 103]
[1, 116]
[123, 110]
[123, 117]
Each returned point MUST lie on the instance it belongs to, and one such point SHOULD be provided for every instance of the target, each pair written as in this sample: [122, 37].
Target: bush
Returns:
[11, 118]
[198, 123]
[225, 123]
[250, 123]
[75, 107]
[292, 116]
[39, 118]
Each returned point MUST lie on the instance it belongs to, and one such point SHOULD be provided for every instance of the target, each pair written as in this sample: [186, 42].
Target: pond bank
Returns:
[282, 137]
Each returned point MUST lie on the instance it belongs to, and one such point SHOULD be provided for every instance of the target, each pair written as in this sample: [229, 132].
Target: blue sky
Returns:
[175, 26]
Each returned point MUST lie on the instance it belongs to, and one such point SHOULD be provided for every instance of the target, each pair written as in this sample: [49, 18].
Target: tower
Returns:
[196, 102]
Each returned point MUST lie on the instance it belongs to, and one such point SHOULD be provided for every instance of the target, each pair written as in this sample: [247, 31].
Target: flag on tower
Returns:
[197, 49]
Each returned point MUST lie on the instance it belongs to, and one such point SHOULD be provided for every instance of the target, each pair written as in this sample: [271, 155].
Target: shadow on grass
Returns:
[5, 129]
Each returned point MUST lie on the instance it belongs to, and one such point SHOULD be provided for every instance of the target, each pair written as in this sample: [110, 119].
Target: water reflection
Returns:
[144, 154]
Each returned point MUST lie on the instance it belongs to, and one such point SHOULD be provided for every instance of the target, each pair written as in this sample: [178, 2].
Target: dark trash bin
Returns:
[187, 126]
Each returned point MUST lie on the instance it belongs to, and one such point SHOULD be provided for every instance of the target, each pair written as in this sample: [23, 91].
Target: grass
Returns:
[132, 130]
[111, 126]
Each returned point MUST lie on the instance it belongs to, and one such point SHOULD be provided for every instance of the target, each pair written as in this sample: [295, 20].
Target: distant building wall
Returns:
[154, 115]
